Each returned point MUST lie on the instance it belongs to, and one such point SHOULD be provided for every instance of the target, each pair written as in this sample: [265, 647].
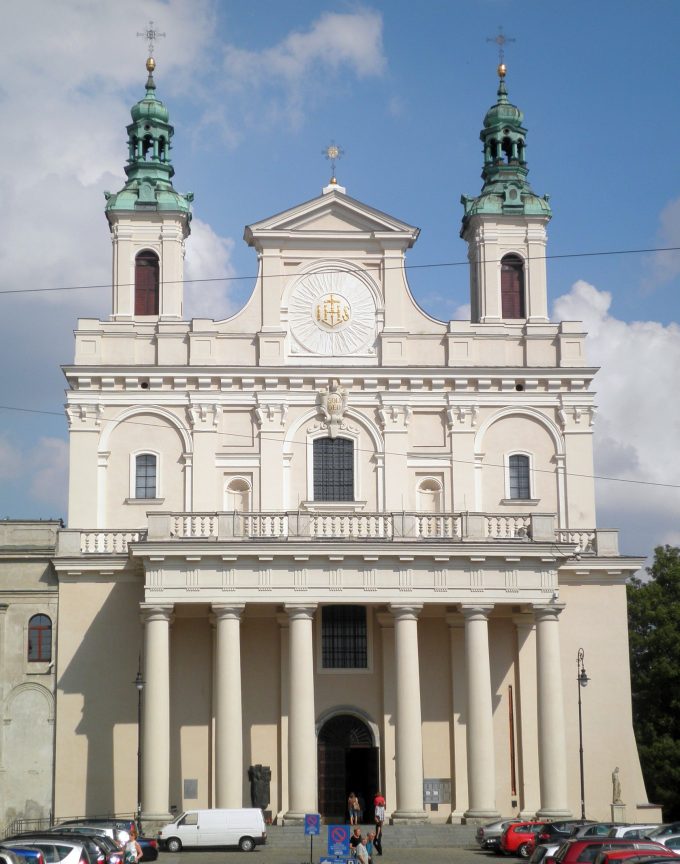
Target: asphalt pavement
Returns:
[272, 855]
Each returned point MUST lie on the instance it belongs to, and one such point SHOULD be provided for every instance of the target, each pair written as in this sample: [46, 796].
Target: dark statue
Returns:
[260, 777]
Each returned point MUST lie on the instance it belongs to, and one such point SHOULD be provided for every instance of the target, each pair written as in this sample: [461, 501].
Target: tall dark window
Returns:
[40, 639]
[519, 477]
[145, 476]
[146, 283]
[333, 469]
[344, 639]
[512, 287]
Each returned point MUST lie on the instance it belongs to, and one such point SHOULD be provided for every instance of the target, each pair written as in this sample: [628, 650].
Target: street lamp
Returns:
[582, 680]
[139, 684]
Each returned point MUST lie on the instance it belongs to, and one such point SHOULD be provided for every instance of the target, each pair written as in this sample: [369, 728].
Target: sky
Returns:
[256, 91]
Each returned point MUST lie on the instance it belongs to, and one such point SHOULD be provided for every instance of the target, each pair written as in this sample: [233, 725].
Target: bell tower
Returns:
[505, 225]
[149, 221]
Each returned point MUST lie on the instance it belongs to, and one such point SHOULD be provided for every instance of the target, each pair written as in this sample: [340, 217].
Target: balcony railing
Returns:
[329, 526]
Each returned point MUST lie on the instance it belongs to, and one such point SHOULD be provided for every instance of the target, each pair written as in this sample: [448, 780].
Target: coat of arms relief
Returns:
[332, 403]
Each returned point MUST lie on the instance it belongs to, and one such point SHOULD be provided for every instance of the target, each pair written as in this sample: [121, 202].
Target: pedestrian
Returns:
[361, 852]
[353, 808]
[379, 808]
[132, 851]
[355, 840]
[370, 837]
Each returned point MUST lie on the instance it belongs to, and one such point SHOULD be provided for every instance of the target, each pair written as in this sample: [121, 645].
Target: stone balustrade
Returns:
[414, 527]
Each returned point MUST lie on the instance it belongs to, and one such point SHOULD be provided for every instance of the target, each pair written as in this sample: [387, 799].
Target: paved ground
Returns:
[264, 855]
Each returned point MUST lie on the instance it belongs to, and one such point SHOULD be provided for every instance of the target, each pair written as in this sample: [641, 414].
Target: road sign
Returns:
[338, 841]
[312, 823]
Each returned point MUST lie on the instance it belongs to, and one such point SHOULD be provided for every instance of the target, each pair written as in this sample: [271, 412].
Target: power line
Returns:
[551, 471]
[427, 266]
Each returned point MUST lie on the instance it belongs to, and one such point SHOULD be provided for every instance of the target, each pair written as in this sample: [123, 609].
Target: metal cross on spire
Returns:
[333, 153]
[151, 34]
[501, 39]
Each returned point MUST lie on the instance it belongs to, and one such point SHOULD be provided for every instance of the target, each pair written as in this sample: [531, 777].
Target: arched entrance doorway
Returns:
[348, 762]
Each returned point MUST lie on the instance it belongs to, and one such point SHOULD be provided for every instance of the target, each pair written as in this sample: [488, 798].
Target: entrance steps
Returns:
[394, 837]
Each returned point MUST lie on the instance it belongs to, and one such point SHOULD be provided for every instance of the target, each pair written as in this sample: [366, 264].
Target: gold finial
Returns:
[333, 152]
[150, 64]
[502, 69]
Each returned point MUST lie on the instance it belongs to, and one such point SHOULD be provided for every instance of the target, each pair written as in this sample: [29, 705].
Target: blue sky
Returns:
[257, 90]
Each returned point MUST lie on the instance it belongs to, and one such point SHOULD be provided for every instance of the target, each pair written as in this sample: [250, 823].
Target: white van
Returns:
[243, 828]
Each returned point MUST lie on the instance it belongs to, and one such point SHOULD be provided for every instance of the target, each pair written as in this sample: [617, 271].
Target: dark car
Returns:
[555, 832]
[22, 854]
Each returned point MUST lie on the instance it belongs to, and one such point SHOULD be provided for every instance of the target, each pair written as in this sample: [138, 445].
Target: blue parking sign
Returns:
[312, 823]
[338, 841]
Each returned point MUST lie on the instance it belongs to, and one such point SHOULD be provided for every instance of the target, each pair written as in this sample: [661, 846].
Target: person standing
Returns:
[379, 808]
[132, 851]
[353, 808]
[361, 852]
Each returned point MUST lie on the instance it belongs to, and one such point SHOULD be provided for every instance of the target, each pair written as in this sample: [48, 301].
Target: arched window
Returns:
[430, 496]
[333, 469]
[519, 480]
[512, 287]
[145, 476]
[238, 495]
[40, 639]
[146, 283]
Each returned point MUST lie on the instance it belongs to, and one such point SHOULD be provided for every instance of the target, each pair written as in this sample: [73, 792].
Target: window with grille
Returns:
[40, 639]
[145, 476]
[512, 287]
[520, 486]
[333, 469]
[344, 638]
[146, 283]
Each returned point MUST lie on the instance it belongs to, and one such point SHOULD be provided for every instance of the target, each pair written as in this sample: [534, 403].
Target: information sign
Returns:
[338, 841]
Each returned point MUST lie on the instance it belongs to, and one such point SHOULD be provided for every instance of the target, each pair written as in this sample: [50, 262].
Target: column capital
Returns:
[385, 619]
[406, 612]
[300, 611]
[476, 611]
[229, 611]
[455, 620]
[157, 612]
[548, 613]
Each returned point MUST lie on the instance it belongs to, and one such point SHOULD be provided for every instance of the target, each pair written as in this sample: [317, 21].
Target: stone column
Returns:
[228, 718]
[389, 709]
[552, 755]
[302, 769]
[156, 713]
[284, 650]
[459, 803]
[527, 729]
[409, 730]
[480, 744]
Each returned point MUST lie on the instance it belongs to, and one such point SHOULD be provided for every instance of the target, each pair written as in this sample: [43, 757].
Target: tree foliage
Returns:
[654, 626]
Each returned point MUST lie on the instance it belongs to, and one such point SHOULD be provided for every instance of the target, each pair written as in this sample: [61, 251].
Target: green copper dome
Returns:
[506, 190]
[149, 169]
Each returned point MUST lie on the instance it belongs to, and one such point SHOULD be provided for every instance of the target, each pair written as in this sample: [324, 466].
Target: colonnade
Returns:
[302, 742]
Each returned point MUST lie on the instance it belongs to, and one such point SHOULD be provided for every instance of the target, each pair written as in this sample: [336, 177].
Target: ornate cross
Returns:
[151, 34]
[500, 40]
[333, 153]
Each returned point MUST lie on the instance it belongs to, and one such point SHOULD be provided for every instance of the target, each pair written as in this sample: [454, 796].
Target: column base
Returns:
[408, 817]
[291, 818]
[548, 813]
[457, 817]
[479, 816]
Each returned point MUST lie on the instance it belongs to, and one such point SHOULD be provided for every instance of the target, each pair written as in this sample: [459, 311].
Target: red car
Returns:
[585, 851]
[631, 856]
[520, 838]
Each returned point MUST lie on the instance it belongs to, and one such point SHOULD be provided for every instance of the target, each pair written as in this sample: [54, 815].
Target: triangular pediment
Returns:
[331, 214]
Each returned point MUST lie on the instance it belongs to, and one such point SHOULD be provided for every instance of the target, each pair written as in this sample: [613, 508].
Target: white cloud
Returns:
[10, 460]
[208, 256]
[638, 422]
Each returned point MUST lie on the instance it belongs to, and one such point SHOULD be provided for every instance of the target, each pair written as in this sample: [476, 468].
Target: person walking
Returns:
[353, 807]
[379, 809]
[361, 852]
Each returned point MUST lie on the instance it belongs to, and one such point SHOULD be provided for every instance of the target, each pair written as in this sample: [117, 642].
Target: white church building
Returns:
[349, 542]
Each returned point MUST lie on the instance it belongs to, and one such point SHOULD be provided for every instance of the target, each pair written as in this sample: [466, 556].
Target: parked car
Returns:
[586, 849]
[632, 832]
[662, 830]
[243, 827]
[541, 850]
[118, 830]
[25, 854]
[489, 836]
[55, 849]
[111, 849]
[670, 841]
[595, 829]
[519, 839]
[631, 856]
[555, 832]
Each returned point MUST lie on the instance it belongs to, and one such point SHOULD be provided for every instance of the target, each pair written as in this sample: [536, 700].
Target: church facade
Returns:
[346, 541]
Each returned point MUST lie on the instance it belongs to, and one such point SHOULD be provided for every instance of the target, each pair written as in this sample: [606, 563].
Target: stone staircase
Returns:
[395, 837]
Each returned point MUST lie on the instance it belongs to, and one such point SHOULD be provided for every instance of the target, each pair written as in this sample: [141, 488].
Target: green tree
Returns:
[654, 625]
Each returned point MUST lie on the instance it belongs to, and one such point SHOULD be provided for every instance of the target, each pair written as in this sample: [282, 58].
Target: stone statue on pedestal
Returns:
[616, 787]
[260, 777]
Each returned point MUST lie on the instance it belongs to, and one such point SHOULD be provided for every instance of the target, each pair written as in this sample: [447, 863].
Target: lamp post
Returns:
[139, 684]
[582, 680]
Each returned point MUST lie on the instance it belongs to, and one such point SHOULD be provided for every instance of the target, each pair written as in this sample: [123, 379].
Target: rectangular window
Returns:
[333, 469]
[344, 637]
[519, 477]
[145, 476]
